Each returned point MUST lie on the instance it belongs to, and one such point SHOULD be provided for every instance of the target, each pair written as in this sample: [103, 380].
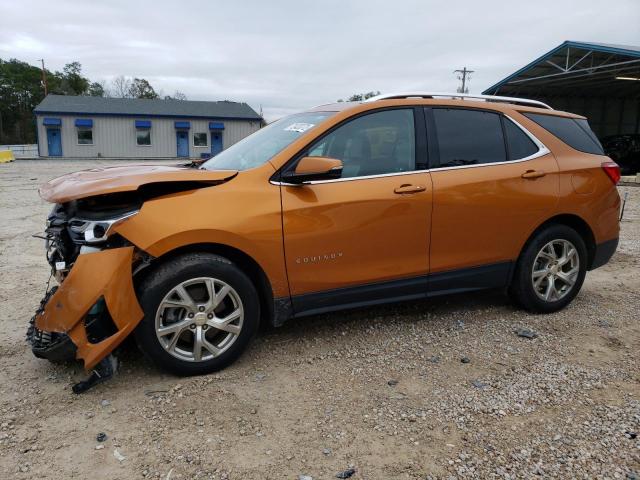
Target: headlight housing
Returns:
[95, 231]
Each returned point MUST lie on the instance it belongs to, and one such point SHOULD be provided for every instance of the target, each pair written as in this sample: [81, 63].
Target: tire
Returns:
[182, 317]
[535, 294]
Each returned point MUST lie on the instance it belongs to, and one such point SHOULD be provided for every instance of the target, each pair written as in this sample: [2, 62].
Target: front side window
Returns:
[575, 132]
[373, 144]
[199, 139]
[143, 137]
[85, 136]
[468, 137]
[261, 146]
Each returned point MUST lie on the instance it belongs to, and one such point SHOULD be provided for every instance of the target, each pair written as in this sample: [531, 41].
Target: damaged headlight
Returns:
[96, 231]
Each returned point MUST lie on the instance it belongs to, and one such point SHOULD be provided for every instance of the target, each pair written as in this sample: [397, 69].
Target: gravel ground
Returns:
[381, 390]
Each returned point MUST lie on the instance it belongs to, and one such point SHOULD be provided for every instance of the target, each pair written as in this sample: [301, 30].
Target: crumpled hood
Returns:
[105, 180]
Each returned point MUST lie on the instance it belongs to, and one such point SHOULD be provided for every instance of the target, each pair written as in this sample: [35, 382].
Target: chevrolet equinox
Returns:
[400, 197]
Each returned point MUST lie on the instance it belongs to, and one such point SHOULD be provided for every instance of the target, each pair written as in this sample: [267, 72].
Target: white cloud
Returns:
[289, 55]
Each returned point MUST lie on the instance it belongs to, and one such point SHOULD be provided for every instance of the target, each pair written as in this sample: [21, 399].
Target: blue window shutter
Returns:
[183, 125]
[216, 126]
[84, 122]
[52, 122]
[143, 123]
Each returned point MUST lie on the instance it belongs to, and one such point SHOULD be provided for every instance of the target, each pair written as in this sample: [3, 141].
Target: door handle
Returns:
[408, 188]
[533, 174]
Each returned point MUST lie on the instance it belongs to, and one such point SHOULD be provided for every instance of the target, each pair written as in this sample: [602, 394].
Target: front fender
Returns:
[104, 274]
[244, 214]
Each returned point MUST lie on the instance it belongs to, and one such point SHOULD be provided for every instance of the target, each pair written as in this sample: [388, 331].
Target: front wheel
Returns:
[200, 311]
[550, 270]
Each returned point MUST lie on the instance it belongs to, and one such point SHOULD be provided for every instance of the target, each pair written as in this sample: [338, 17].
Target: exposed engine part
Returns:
[75, 228]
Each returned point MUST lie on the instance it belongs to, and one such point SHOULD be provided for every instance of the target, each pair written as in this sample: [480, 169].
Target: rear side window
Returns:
[574, 132]
[519, 144]
[468, 137]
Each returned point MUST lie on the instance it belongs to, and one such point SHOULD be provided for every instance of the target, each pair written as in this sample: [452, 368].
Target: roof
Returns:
[139, 107]
[576, 68]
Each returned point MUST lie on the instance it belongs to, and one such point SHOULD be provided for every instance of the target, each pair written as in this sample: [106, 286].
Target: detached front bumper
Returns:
[95, 306]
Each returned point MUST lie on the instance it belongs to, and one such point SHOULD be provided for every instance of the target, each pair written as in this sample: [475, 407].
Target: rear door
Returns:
[493, 184]
[363, 238]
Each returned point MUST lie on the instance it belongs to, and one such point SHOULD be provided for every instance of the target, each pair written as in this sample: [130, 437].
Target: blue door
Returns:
[216, 142]
[183, 143]
[54, 142]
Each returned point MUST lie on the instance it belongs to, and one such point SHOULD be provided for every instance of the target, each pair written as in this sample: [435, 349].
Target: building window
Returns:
[143, 137]
[85, 136]
[199, 139]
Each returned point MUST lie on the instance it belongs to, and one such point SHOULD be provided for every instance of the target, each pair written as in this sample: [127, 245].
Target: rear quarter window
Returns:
[575, 132]
[519, 144]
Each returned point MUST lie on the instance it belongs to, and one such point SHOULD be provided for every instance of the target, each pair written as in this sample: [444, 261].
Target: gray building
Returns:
[85, 127]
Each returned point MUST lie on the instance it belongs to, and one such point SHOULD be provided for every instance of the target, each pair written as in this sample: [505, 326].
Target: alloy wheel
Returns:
[555, 270]
[199, 319]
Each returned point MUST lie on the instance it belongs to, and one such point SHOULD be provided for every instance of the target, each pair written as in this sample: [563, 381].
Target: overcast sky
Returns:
[290, 55]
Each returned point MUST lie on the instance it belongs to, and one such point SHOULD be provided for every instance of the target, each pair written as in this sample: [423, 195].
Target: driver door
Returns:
[364, 238]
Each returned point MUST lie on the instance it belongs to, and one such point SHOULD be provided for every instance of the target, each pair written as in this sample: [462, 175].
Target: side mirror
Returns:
[314, 168]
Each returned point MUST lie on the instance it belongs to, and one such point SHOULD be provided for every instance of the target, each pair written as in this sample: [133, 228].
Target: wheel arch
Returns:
[244, 261]
[578, 224]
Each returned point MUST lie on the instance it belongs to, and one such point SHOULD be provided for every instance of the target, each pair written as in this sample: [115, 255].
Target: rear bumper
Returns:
[101, 279]
[603, 253]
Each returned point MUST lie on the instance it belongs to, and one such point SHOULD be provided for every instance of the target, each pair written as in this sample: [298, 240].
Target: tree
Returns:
[141, 88]
[359, 97]
[72, 79]
[97, 89]
[178, 95]
[121, 87]
[20, 91]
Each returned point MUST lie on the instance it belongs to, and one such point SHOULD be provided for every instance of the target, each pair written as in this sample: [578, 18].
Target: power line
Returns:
[464, 76]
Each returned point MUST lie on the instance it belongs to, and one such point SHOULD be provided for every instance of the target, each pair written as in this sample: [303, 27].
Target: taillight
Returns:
[612, 170]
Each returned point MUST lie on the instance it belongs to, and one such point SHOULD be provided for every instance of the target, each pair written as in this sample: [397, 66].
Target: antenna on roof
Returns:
[464, 76]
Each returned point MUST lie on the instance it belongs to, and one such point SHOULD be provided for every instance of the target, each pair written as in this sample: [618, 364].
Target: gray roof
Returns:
[82, 105]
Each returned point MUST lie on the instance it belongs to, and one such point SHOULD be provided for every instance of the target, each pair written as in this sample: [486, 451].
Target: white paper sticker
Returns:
[299, 127]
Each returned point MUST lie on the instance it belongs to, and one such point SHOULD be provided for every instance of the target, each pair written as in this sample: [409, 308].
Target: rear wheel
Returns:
[550, 270]
[200, 311]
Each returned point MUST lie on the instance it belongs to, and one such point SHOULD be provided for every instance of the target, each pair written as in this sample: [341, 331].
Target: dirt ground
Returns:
[382, 390]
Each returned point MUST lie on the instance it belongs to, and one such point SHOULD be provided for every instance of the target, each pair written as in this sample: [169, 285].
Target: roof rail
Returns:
[486, 98]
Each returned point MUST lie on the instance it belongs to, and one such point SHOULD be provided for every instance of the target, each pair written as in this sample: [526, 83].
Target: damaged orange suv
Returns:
[403, 196]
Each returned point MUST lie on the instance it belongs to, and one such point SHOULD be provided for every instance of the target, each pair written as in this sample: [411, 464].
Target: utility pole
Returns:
[44, 78]
[464, 75]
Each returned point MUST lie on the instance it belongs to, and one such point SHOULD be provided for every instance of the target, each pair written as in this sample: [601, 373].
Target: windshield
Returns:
[259, 147]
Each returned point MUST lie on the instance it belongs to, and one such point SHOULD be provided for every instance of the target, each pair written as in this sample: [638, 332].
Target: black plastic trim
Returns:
[604, 252]
[495, 275]
[424, 286]
[282, 310]
[62, 350]
[432, 138]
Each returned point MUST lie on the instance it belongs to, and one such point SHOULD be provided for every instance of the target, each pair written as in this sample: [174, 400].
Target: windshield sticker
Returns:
[299, 127]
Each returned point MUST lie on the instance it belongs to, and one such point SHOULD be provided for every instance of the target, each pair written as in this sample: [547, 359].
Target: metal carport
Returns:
[597, 80]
